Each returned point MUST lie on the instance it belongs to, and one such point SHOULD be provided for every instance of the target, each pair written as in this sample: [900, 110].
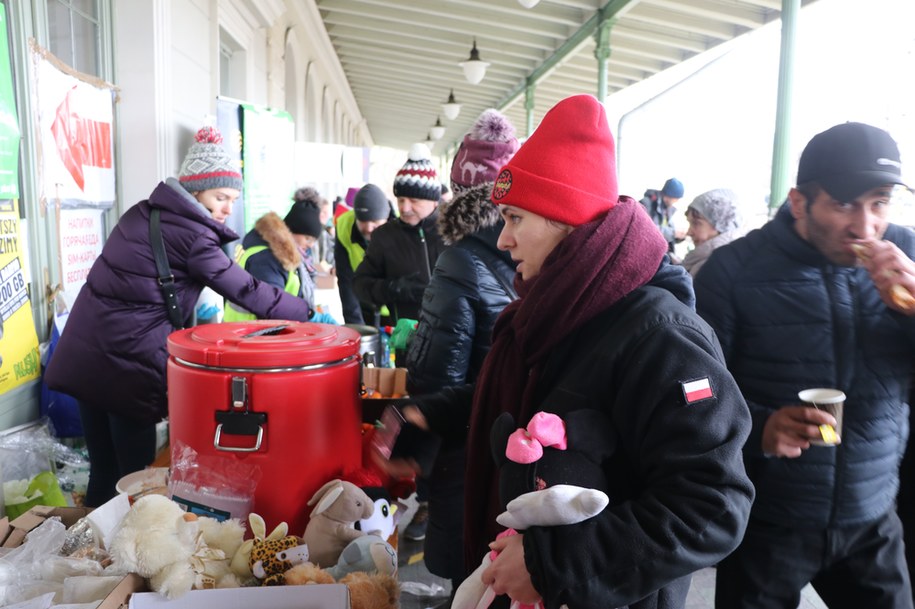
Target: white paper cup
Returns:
[830, 400]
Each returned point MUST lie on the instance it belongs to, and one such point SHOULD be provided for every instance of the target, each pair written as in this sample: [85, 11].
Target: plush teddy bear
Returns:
[550, 474]
[158, 540]
[366, 590]
[338, 504]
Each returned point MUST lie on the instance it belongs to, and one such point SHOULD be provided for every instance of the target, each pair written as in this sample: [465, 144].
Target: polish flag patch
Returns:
[696, 391]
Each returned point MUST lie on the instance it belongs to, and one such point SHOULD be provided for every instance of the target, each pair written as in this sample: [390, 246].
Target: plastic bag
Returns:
[214, 486]
[39, 470]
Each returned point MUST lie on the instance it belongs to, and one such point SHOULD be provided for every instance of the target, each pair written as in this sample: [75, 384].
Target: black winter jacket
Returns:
[467, 292]
[680, 497]
[398, 249]
[790, 320]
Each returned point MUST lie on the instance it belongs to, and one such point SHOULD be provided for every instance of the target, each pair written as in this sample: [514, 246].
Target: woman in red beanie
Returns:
[604, 336]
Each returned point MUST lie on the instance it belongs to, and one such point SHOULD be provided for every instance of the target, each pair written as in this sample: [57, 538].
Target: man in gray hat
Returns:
[371, 209]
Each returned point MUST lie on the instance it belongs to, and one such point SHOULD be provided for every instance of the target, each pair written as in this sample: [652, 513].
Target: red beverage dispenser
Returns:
[280, 395]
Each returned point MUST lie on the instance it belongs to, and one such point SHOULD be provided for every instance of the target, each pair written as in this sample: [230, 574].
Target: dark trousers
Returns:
[117, 446]
[905, 504]
[849, 568]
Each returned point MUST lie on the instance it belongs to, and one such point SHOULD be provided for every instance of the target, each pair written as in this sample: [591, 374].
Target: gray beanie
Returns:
[719, 207]
[208, 165]
[370, 204]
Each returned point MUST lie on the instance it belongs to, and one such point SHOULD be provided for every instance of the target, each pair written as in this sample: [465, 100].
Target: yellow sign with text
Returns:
[19, 359]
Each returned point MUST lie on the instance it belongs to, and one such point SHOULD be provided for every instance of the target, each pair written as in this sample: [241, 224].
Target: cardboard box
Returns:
[133, 593]
[388, 382]
[312, 596]
[12, 533]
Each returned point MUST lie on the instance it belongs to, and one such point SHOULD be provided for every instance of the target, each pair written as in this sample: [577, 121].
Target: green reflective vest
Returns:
[354, 251]
[233, 312]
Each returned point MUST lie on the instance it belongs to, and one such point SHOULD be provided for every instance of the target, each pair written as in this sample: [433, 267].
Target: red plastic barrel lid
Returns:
[265, 343]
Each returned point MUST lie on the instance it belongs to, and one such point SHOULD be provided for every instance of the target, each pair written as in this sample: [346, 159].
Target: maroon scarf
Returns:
[595, 266]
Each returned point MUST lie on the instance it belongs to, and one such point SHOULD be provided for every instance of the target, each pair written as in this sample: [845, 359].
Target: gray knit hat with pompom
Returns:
[208, 165]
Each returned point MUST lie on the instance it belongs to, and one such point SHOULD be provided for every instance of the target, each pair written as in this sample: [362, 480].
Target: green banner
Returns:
[268, 147]
[9, 123]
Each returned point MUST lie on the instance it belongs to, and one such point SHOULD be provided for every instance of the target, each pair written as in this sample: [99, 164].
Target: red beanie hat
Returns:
[566, 170]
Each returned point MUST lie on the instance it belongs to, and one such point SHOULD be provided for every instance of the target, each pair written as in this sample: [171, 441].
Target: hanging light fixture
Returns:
[451, 108]
[474, 67]
[528, 3]
[438, 130]
[429, 141]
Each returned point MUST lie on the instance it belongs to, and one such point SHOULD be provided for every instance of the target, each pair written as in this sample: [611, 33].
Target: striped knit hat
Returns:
[417, 179]
[208, 165]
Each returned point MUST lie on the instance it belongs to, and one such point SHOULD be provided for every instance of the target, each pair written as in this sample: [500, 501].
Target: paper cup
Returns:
[152, 480]
[833, 402]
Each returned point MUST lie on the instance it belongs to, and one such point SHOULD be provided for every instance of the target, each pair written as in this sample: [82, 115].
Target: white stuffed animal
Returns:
[552, 506]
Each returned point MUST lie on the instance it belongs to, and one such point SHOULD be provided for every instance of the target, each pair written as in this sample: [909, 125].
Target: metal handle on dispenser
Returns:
[239, 421]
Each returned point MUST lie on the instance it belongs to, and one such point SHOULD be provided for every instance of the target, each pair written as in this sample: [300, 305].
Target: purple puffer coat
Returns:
[113, 352]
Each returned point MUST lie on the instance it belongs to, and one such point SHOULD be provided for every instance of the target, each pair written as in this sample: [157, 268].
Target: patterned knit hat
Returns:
[566, 170]
[485, 150]
[417, 179]
[208, 165]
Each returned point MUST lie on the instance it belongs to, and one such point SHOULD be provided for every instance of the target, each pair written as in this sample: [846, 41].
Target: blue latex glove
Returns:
[206, 311]
[324, 318]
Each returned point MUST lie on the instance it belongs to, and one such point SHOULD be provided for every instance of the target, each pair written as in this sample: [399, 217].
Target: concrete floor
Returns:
[413, 574]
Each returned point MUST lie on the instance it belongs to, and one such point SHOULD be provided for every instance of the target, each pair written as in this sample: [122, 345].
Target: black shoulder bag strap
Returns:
[166, 279]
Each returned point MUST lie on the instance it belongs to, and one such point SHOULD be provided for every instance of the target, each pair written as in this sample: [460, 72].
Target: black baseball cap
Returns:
[849, 159]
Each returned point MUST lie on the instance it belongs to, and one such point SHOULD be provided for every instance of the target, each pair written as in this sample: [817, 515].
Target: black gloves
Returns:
[408, 288]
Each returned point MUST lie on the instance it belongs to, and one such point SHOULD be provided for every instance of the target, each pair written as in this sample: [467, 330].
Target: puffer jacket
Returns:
[113, 352]
[398, 249]
[788, 320]
[471, 284]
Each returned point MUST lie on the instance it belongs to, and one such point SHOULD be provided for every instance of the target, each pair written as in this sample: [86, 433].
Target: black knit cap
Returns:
[304, 218]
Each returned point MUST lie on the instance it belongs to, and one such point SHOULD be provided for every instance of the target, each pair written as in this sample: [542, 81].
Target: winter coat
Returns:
[788, 320]
[665, 518]
[396, 250]
[112, 352]
[662, 216]
[696, 257]
[471, 284]
[282, 257]
[349, 251]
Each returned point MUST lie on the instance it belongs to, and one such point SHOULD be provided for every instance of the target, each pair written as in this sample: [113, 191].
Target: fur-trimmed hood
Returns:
[279, 239]
[467, 213]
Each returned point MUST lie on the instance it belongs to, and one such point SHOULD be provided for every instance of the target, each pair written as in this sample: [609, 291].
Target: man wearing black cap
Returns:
[811, 300]
[371, 209]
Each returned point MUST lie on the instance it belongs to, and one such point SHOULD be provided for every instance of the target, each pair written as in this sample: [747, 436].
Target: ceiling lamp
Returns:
[474, 67]
[429, 141]
[438, 130]
[528, 3]
[451, 108]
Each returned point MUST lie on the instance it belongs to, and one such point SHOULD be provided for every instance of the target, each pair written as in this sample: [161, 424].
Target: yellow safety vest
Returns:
[235, 313]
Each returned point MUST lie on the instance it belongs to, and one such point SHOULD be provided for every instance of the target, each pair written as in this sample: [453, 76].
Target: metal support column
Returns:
[529, 107]
[781, 169]
[602, 53]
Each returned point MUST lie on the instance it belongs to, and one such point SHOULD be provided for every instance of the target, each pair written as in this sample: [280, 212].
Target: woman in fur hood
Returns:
[275, 251]
[471, 284]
